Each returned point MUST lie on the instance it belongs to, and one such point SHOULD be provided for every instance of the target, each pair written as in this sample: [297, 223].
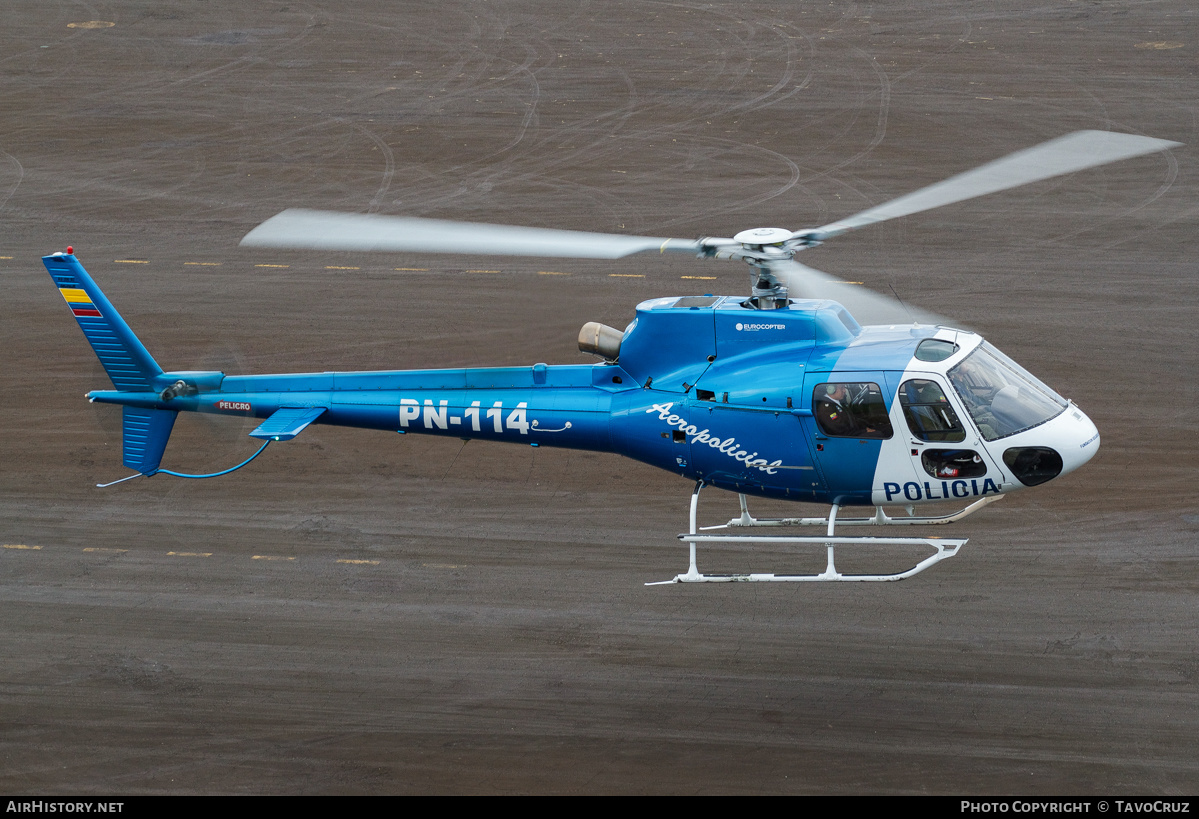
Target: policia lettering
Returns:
[728, 445]
[949, 489]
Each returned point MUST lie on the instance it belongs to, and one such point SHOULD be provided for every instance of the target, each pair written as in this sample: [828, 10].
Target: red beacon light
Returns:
[70, 250]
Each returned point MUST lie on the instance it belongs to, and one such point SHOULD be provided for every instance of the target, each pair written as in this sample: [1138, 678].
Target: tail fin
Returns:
[127, 362]
[146, 432]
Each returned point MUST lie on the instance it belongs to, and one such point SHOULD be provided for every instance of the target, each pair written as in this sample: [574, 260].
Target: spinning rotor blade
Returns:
[328, 230]
[1067, 154]
[863, 304]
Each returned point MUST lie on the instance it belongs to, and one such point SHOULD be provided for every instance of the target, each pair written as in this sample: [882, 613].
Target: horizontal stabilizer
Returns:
[286, 423]
[145, 437]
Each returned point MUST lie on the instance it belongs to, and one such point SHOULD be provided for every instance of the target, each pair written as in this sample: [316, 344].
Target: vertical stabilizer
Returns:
[146, 432]
[127, 362]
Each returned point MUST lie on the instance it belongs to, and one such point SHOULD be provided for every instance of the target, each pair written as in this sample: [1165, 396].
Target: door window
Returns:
[851, 409]
[928, 413]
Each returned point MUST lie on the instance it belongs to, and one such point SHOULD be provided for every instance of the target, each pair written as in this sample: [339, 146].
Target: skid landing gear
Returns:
[943, 547]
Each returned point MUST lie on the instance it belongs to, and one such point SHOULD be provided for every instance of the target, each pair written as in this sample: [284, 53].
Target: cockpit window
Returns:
[928, 413]
[935, 349]
[1001, 396]
[851, 410]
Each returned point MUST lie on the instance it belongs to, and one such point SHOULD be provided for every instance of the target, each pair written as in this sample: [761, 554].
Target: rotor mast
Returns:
[767, 251]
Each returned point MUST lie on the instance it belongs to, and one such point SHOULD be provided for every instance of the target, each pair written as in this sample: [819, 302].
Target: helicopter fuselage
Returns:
[799, 403]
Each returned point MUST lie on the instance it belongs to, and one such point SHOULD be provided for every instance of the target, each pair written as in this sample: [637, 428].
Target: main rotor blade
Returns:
[1067, 154]
[328, 230]
[863, 304]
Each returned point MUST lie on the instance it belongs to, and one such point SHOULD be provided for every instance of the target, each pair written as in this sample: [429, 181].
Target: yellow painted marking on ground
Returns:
[626, 275]
[359, 562]
[5, 257]
[92, 24]
[129, 261]
[850, 282]
[272, 265]
[984, 98]
[191, 554]
[480, 271]
[204, 264]
[551, 273]
[1160, 46]
[702, 278]
[335, 267]
[21, 546]
[102, 549]
[414, 269]
[271, 557]
[441, 565]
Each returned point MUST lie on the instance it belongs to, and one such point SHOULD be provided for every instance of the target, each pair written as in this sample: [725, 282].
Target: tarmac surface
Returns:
[358, 613]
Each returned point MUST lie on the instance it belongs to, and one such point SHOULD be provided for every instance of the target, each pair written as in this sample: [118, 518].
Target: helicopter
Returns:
[782, 393]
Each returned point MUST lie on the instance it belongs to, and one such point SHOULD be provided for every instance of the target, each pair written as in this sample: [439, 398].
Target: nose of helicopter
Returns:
[1053, 449]
[1078, 439]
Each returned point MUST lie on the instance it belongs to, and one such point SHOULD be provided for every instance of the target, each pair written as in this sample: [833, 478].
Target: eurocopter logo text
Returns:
[741, 326]
[728, 445]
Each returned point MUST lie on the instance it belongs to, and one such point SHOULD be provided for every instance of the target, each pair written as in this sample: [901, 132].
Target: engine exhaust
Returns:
[600, 339]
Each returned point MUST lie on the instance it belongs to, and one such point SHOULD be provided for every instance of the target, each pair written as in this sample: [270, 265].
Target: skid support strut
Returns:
[943, 547]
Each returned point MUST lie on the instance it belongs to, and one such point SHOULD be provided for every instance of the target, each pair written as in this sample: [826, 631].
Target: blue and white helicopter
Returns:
[767, 395]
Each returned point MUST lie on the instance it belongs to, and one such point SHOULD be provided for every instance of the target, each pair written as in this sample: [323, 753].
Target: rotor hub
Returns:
[758, 237]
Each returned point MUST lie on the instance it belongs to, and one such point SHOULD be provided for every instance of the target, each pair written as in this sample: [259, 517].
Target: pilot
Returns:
[928, 392]
[833, 412]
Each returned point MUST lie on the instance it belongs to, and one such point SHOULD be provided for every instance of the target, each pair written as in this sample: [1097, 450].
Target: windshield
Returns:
[1001, 396]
